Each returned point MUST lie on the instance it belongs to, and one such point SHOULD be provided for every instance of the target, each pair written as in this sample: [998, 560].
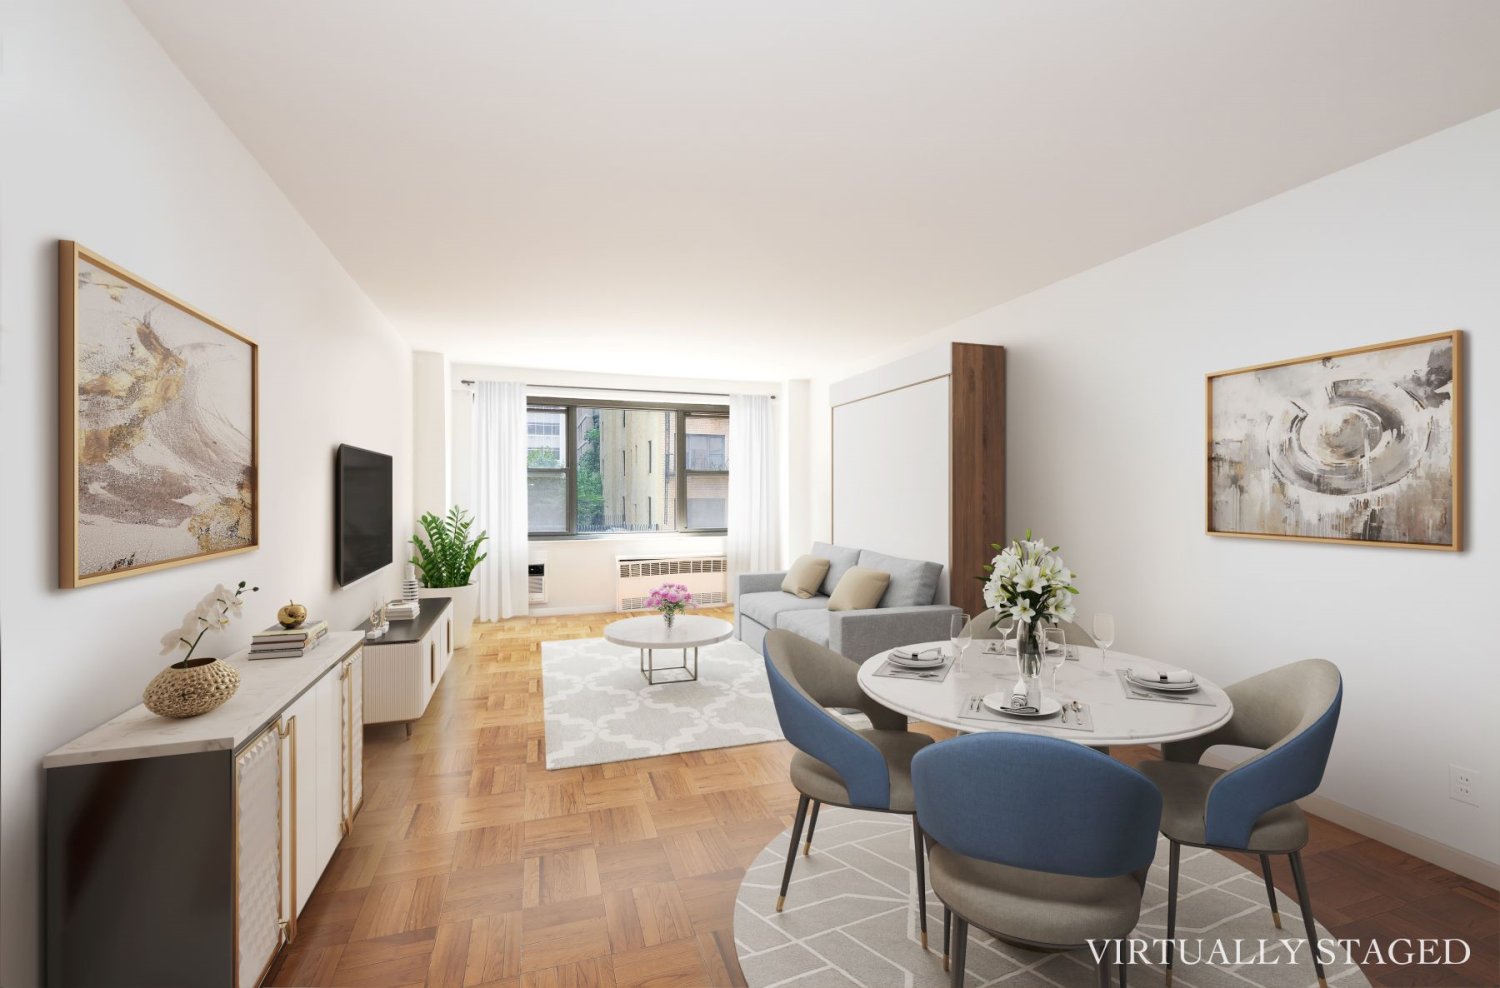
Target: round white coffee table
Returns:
[688, 631]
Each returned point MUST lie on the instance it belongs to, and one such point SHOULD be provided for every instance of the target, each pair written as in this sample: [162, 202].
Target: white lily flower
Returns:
[1022, 611]
[1060, 607]
[1029, 579]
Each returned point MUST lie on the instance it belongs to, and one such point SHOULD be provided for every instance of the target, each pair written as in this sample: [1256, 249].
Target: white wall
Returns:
[106, 143]
[580, 575]
[1106, 442]
[432, 435]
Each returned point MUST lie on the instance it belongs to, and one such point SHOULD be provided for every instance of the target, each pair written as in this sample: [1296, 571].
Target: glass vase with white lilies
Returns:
[214, 611]
[1028, 583]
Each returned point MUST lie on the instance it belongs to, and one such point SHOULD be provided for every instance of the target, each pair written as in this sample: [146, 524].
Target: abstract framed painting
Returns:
[1361, 446]
[158, 440]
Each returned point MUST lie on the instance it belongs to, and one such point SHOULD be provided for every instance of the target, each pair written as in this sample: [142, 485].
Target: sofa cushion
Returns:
[839, 561]
[810, 624]
[765, 606]
[805, 577]
[859, 590]
[914, 583]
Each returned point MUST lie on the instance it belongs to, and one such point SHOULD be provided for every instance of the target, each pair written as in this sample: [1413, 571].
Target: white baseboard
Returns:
[605, 608]
[1444, 855]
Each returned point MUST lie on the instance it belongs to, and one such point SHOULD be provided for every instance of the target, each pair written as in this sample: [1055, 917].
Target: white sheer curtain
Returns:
[754, 546]
[500, 496]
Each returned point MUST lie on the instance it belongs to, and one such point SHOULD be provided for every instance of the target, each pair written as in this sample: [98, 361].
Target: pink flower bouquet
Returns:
[671, 599]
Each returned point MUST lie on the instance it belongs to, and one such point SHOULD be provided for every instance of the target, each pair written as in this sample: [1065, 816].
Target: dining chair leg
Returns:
[791, 854]
[1307, 915]
[1124, 953]
[960, 952]
[1101, 967]
[916, 829]
[1265, 869]
[947, 934]
[812, 824]
[1175, 860]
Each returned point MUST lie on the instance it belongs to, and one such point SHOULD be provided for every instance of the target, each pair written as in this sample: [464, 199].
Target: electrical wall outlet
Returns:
[1463, 784]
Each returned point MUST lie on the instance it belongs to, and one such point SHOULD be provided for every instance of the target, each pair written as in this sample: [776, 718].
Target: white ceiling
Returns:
[756, 189]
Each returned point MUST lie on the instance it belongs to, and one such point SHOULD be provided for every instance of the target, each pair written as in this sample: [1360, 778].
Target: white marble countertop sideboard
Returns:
[266, 687]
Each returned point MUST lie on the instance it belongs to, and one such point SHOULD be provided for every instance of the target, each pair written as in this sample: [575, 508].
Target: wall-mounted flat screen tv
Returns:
[362, 513]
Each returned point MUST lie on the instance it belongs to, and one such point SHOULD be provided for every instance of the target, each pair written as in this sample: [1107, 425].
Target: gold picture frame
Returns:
[158, 427]
[1433, 494]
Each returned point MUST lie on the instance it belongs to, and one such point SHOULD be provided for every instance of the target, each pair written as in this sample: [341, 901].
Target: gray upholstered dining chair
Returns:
[836, 764]
[1289, 713]
[979, 627]
[1041, 842]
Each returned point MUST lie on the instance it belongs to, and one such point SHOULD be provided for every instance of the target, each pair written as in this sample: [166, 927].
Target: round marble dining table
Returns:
[1118, 717]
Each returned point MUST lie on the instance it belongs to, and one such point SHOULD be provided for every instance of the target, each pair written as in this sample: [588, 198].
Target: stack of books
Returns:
[277, 642]
[402, 610]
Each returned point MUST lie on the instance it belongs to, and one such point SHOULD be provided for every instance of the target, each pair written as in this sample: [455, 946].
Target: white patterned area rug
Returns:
[600, 709]
[851, 922]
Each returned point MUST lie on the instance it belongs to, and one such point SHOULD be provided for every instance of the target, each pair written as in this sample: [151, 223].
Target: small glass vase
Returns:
[669, 617]
[1029, 662]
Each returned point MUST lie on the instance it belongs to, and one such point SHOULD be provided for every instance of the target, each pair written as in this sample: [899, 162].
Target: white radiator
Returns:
[704, 576]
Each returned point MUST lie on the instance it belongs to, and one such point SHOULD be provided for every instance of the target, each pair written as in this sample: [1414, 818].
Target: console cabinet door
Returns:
[352, 736]
[326, 806]
[302, 724]
[258, 932]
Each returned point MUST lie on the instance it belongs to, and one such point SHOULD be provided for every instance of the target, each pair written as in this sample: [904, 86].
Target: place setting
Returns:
[929, 664]
[1026, 700]
[1163, 686]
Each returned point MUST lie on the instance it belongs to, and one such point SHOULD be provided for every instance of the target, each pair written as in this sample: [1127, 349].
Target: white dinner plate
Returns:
[1153, 684]
[917, 663]
[999, 702]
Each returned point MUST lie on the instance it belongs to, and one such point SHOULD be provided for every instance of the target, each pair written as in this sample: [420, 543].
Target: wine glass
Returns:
[959, 633]
[1054, 651]
[1104, 634]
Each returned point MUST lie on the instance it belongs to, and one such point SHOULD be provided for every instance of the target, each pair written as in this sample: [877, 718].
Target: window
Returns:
[596, 483]
[546, 469]
[707, 475]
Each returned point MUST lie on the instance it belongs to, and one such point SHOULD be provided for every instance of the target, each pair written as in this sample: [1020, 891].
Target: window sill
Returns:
[626, 536]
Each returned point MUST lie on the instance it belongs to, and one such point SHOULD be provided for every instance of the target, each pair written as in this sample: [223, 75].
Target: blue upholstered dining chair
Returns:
[1289, 713]
[1041, 842]
[836, 764]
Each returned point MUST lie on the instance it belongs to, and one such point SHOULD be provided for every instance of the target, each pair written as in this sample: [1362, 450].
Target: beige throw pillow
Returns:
[859, 589]
[805, 576]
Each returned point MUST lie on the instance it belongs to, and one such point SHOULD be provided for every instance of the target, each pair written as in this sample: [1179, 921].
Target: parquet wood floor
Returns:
[472, 866]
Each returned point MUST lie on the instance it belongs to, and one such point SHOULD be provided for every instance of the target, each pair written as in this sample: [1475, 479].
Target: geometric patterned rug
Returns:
[851, 920]
[599, 709]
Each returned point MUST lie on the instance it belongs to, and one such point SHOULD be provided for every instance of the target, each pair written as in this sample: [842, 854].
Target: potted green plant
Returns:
[445, 565]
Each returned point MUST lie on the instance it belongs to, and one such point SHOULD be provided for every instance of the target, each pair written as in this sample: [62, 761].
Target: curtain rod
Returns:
[644, 391]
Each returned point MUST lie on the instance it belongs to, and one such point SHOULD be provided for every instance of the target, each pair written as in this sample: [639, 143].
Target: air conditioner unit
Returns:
[706, 577]
[536, 582]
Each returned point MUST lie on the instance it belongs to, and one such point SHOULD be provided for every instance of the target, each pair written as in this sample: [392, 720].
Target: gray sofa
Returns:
[906, 613]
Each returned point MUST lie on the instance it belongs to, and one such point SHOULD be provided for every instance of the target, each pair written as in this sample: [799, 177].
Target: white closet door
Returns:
[257, 861]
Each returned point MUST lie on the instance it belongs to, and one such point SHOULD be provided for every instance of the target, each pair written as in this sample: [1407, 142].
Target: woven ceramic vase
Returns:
[191, 688]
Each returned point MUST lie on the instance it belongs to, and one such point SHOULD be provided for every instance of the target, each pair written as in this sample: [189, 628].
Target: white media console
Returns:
[403, 667]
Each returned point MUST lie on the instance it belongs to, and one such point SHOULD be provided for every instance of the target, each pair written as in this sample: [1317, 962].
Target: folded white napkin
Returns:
[1173, 676]
[1018, 695]
[906, 655]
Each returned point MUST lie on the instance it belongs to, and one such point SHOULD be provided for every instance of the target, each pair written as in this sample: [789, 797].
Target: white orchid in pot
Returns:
[1028, 583]
[195, 686]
